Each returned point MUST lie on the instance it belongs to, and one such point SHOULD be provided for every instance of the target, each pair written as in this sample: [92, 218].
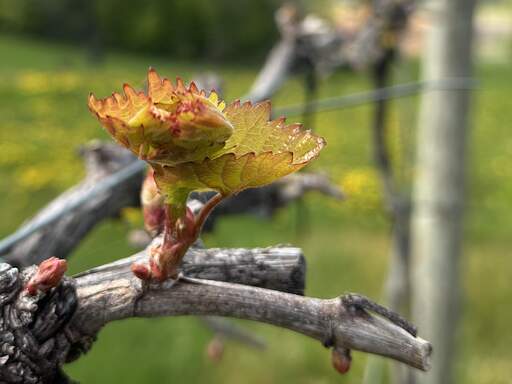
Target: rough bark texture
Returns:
[36, 336]
[439, 186]
[338, 322]
[42, 332]
[34, 330]
[280, 268]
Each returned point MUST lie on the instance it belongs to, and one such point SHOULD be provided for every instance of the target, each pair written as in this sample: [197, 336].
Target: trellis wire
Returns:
[386, 93]
[323, 105]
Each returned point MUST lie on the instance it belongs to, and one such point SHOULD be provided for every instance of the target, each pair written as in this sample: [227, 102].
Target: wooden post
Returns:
[439, 186]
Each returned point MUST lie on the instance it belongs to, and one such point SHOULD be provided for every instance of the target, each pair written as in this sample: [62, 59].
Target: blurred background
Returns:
[54, 52]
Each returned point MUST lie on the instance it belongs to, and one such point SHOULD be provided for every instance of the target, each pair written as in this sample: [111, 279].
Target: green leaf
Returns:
[254, 132]
[169, 125]
[259, 152]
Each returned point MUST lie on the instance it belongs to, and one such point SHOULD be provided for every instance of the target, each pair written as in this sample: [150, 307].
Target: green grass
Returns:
[44, 118]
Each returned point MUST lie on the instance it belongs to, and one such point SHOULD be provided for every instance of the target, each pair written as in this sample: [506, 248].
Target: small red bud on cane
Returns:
[341, 359]
[48, 275]
[215, 349]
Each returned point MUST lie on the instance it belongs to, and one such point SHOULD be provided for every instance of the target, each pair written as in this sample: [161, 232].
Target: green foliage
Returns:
[258, 152]
[194, 142]
[181, 28]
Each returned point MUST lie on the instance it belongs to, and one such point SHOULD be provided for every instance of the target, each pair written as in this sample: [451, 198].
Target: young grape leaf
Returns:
[170, 125]
[259, 152]
[255, 133]
[194, 142]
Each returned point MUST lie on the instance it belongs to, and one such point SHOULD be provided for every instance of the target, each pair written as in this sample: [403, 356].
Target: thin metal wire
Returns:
[386, 93]
[324, 105]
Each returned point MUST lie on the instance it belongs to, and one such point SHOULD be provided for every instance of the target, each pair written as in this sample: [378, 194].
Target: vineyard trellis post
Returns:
[439, 185]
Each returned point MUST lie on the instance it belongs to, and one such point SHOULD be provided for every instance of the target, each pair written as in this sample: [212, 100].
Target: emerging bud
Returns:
[152, 205]
[215, 349]
[48, 275]
[141, 271]
[341, 359]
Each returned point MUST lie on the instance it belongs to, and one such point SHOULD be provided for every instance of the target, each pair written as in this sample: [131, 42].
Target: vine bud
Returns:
[48, 275]
[152, 205]
[341, 359]
[215, 349]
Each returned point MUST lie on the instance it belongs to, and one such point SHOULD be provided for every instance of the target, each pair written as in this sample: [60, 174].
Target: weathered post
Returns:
[439, 185]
